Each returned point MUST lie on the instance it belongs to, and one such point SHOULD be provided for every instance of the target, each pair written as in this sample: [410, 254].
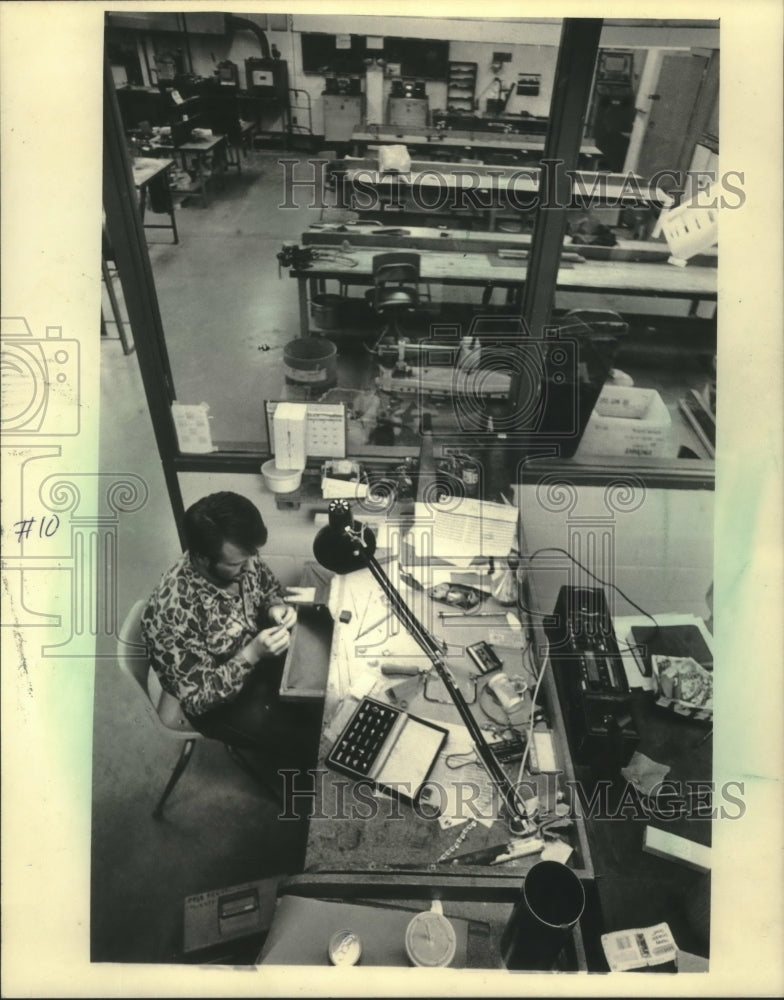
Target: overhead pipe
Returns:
[235, 23]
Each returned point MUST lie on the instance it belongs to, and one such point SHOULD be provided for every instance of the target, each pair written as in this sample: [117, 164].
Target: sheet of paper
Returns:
[556, 850]
[506, 638]
[459, 530]
[192, 424]
[332, 489]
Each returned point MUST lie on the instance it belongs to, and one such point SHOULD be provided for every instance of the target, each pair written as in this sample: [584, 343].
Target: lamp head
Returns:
[343, 545]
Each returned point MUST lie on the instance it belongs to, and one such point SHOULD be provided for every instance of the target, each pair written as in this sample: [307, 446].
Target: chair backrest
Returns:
[395, 267]
[162, 707]
[395, 278]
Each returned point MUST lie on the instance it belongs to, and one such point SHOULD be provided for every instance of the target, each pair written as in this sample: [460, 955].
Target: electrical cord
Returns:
[530, 735]
[470, 758]
[598, 579]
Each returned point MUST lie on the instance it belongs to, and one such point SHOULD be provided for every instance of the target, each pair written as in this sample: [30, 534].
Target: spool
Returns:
[325, 311]
[311, 362]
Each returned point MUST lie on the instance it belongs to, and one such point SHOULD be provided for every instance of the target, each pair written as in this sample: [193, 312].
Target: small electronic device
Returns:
[590, 675]
[485, 657]
[507, 751]
[385, 745]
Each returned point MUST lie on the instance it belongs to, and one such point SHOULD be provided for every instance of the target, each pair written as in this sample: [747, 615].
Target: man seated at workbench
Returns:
[217, 630]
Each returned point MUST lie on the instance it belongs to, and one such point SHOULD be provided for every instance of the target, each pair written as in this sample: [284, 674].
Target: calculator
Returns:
[385, 745]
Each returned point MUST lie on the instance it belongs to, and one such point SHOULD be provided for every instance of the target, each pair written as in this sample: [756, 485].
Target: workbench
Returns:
[198, 149]
[431, 142]
[461, 265]
[146, 170]
[382, 849]
[478, 191]
[393, 854]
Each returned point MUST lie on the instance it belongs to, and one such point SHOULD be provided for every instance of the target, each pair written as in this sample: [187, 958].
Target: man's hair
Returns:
[223, 517]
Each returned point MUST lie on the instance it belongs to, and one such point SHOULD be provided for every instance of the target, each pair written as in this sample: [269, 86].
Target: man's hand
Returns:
[270, 641]
[283, 614]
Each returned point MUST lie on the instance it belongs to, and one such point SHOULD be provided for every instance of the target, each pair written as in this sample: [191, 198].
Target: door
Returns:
[668, 139]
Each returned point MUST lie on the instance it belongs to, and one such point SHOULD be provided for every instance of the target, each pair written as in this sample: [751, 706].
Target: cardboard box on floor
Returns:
[217, 920]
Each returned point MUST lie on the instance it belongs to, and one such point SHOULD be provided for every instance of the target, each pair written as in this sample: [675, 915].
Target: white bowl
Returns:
[280, 480]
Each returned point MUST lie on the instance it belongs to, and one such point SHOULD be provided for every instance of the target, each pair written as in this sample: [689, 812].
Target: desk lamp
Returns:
[344, 545]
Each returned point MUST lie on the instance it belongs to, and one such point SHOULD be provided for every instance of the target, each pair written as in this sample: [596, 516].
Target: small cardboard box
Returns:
[628, 421]
[290, 430]
[214, 919]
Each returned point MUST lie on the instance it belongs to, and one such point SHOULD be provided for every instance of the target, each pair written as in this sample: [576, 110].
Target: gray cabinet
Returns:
[408, 111]
[343, 114]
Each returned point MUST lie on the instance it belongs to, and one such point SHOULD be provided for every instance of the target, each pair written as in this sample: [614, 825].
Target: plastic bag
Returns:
[393, 160]
[457, 595]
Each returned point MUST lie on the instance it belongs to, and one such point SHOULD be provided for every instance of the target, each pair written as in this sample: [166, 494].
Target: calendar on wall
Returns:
[325, 429]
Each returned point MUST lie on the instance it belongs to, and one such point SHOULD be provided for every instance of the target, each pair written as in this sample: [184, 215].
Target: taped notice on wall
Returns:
[192, 424]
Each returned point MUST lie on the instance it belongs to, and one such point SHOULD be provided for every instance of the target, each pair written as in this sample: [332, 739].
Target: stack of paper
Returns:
[462, 530]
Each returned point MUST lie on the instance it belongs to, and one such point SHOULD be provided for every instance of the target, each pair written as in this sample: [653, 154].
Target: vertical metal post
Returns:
[126, 233]
[577, 52]
[187, 40]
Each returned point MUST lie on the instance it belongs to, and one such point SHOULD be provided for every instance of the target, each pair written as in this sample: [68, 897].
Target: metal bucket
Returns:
[311, 362]
[550, 904]
[325, 311]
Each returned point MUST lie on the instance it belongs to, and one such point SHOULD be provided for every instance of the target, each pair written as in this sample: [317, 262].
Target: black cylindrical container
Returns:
[550, 904]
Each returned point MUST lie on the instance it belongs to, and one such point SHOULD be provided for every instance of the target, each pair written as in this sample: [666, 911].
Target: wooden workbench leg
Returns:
[127, 347]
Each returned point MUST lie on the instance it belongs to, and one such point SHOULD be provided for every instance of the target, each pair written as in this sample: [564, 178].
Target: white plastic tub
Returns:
[280, 480]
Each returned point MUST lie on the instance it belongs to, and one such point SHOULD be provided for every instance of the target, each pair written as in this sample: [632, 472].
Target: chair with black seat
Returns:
[395, 292]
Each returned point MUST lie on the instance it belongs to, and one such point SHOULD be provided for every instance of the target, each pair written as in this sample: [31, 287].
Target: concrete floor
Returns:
[218, 829]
